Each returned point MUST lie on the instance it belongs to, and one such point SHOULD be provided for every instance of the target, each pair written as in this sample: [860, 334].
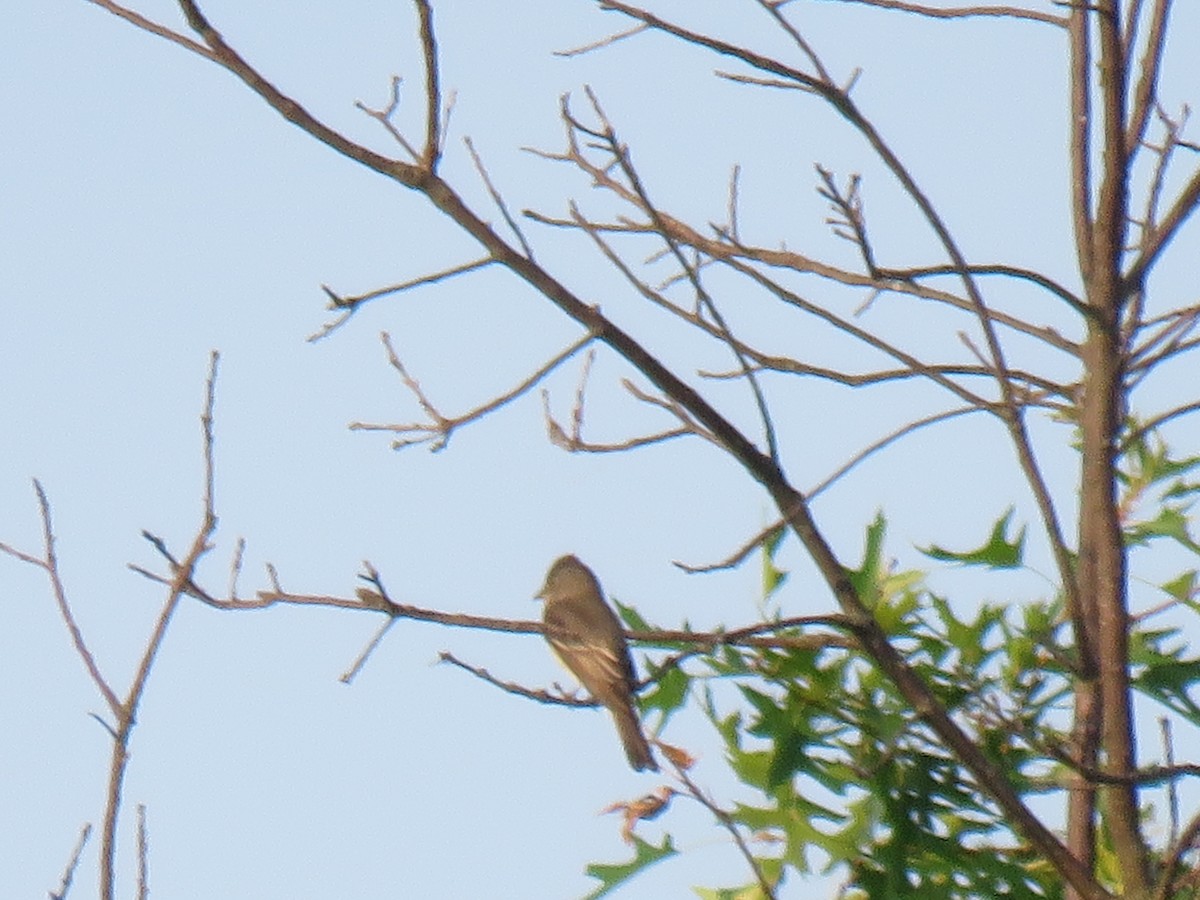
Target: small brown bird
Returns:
[585, 633]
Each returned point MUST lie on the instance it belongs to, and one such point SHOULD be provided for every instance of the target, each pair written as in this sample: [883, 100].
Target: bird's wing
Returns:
[598, 662]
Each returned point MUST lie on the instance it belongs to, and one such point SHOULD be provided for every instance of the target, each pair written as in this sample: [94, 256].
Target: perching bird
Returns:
[585, 633]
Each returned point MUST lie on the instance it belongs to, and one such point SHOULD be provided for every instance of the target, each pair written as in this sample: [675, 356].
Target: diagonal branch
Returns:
[1146, 92]
[351, 304]
[1181, 210]
[48, 562]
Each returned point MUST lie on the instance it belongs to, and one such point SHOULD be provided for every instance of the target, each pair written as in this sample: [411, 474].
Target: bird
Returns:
[586, 635]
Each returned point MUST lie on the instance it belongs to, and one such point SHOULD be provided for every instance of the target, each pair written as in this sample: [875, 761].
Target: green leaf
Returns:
[614, 875]
[1169, 523]
[997, 553]
[1182, 588]
[1170, 682]
[773, 577]
[669, 692]
[865, 578]
[631, 616]
[746, 892]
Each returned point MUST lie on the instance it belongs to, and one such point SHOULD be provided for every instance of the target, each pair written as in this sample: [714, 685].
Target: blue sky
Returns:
[155, 210]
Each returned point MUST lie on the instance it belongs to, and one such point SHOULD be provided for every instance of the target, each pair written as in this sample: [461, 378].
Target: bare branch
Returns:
[731, 225]
[384, 118]
[226, 56]
[750, 545]
[560, 698]
[1169, 883]
[847, 220]
[574, 442]
[842, 324]
[1146, 93]
[1018, 272]
[1079, 32]
[351, 304]
[143, 854]
[772, 8]
[963, 12]
[68, 876]
[148, 25]
[739, 555]
[1168, 744]
[433, 92]
[180, 581]
[497, 199]
[729, 824]
[438, 429]
[1180, 211]
[603, 42]
[885, 441]
[870, 339]
[235, 566]
[1165, 154]
[729, 246]
[1155, 423]
[621, 156]
[1035, 390]
[48, 562]
[1172, 346]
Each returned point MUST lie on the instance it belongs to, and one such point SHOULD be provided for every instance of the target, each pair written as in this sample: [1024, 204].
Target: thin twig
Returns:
[68, 876]
[143, 854]
[149, 25]
[904, 430]
[603, 42]
[349, 675]
[727, 245]
[384, 118]
[574, 441]
[964, 12]
[498, 199]
[621, 156]
[1168, 743]
[558, 698]
[772, 9]
[48, 562]
[1146, 93]
[727, 822]
[439, 427]
[350, 304]
[181, 578]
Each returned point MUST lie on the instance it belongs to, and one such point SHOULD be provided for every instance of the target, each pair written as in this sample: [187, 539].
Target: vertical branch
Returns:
[1079, 29]
[127, 718]
[433, 90]
[1101, 545]
[143, 854]
[1111, 204]
[1081, 800]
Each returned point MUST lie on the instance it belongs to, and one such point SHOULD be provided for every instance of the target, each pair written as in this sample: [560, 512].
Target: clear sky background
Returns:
[153, 210]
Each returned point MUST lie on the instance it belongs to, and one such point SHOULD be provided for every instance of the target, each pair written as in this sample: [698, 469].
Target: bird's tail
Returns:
[629, 729]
